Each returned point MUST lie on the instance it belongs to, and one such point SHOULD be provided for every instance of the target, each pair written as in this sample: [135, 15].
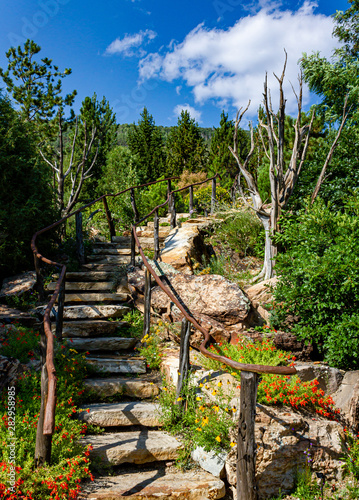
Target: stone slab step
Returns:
[137, 447]
[117, 364]
[95, 312]
[155, 484]
[88, 276]
[140, 388]
[96, 297]
[88, 286]
[110, 259]
[104, 266]
[102, 344]
[122, 414]
[121, 240]
[111, 251]
[87, 329]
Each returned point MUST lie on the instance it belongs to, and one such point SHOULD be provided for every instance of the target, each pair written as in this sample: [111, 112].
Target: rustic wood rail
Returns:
[246, 486]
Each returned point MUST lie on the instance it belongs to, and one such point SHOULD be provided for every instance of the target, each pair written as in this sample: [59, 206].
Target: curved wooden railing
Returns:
[49, 393]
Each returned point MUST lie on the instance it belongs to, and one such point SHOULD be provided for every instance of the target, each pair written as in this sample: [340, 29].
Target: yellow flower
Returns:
[198, 398]
[205, 421]
[199, 429]
[179, 399]
[233, 374]
[201, 408]
[214, 393]
[219, 384]
[218, 438]
[232, 444]
[73, 350]
[226, 409]
[196, 421]
[195, 357]
[215, 408]
[179, 373]
[151, 383]
[164, 389]
[228, 382]
[200, 385]
[207, 387]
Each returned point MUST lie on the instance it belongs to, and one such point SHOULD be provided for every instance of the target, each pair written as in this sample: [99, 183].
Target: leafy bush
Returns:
[70, 462]
[20, 343]
[319, 278]
[203, 196]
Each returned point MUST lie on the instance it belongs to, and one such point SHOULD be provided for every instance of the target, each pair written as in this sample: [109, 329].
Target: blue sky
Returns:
[200, 55]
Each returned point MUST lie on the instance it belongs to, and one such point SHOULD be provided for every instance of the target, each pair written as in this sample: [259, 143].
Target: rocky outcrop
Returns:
[347, 399]
[286, 442]
[261, 296]
[17, 285]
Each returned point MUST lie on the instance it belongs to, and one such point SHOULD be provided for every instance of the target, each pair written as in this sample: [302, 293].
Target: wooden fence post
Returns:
[183, 368]
[60, 310]
[246, 458]
[133, 247]
[39, 279]
[147, 298]
[173, 222]
[109, 218]
[213, 197]
[43, 443]
[134, 207]
[135, 219]
[156, 229]
[80, 249]
[190, 199]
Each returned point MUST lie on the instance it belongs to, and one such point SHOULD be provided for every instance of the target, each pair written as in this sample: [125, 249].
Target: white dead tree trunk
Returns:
[78, 171]
[282, 178]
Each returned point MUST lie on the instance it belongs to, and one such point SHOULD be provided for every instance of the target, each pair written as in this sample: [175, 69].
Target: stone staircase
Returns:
[96, 299]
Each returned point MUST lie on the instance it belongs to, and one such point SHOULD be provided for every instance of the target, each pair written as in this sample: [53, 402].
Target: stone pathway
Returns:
[96, 299]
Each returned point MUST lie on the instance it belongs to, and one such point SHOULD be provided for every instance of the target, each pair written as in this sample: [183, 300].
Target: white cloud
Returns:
[178, 89]
[191, 110]
[130, 45]
[229, 65]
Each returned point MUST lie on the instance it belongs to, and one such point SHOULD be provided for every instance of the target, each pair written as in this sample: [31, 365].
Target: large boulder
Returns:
[347, 399]
[287, 441]
[215, 301]
[261, 296]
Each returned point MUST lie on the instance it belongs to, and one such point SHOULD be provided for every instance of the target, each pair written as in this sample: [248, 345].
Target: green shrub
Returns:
[20, 343]
[202, 198]
[319, 279]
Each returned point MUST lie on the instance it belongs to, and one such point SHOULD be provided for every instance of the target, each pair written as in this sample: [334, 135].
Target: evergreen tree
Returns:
[186, 149]
[145, 141]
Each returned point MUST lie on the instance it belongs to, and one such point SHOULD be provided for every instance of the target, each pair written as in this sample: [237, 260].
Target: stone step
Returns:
[121, 243]
[140, 388]
[137, 447]
[122, 414]
[90, 328]
[95, 312]
[104, 266]
[148, 233]
[88, 286]
[109, 259]
[121, 240]
[88, 276]
[96, 297]
[112, 251]
[117, 364]
[155, 483]
[102, 344]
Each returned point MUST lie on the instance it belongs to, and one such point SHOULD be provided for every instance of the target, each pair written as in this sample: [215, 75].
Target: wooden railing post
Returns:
[39, 279]
[156, 230]
[134, 207]
[43, 442]
[172, 208]
[184, 365]
[190, 199]
[147, 299]
[135, 219]
[133, 247]
[60, 310]
[109, 218]
[80, 249]
[213, 197]
[246, 459]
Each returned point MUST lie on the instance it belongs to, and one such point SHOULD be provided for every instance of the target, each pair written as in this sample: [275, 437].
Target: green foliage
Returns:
[306, 488]
[70, 462]
[186, 149]
[319, 279]
[202, 197]
[20, 343]
[351, 459]
[135, 324]
[145, 141]
[24, 192]
[346, 29]
[32, 84]
[151, 350]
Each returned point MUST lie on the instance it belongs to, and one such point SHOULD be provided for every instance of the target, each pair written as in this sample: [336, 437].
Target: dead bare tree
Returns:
[77, 171]
[282, 178]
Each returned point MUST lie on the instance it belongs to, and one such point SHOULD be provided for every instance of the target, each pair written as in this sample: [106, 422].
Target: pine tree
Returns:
[186, 149]
[145, 141]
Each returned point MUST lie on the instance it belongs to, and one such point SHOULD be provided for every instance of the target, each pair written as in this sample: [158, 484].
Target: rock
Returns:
[157, 484]
[346, 398]
[137, 447]
[210, 461]
[16, 285]
[117, 364]
[183, 244]
[261, 295]
[10, 369]
[91, 328]
[96, 297]
[102, 344]
[122, 414]
[146, 387]
[284, 341]
[10, 315]
[329, 378]
[88, 286]
[88, 312]
[210, 297]
[286, 441]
